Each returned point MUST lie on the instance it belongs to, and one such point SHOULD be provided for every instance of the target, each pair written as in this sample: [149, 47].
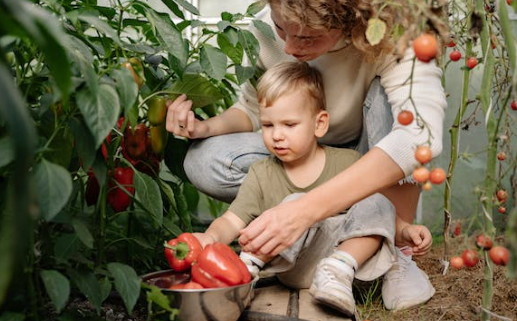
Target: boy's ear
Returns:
[322, 123]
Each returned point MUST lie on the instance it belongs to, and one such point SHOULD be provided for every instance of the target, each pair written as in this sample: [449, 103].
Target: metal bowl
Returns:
[218, 304]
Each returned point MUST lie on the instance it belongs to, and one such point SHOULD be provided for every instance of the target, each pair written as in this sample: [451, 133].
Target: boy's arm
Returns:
[223, 229]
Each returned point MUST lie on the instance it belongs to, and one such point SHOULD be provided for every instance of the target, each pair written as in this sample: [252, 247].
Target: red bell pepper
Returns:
[218, 266]
[186, 286]
[118, 199]
[182, 251]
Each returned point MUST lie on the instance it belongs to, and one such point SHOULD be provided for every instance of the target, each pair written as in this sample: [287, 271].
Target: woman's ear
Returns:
[322, 123]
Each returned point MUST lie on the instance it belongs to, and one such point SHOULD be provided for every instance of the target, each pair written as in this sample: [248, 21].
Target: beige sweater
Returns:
[346, 79]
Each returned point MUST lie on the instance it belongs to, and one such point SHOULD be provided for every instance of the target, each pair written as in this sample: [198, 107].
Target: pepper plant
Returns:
[90, 182]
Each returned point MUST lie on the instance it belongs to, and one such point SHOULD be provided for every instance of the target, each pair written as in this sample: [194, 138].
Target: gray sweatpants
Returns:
[374, 215]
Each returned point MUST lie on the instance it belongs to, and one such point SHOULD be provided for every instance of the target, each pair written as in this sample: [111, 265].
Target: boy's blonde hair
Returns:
[287, 77]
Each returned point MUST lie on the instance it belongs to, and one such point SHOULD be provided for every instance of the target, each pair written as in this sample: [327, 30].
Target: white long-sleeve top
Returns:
[347, 77]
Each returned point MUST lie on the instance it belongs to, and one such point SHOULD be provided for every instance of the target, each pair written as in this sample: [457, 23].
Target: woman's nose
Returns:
[292, 45]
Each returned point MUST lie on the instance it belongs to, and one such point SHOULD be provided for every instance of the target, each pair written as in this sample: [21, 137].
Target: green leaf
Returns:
[54, 187]
[7, 154]
[127, 283]
[89, 286]
[244, 73]
[255, 7]
[82, 57]
[57, 286]
[126, 88]
[182, 207]
[105, 286]
[170, 37]
[250, 44]
[264, 28]
[234, 52]
[147, 193]
[100, 25]
[188, 6]
[191, 196]
[84, 143]
[174, 8]
[83, 233]
[222, 25]
[155, 295]
[100, 111]
[375, 31]
[213, 61]
[197, 88]
[65, 246]
[46, 32]
[12, 316]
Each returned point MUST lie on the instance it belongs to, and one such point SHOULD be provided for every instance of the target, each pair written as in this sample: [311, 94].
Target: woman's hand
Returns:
[204, 238]
[181, 120]
[275, 229]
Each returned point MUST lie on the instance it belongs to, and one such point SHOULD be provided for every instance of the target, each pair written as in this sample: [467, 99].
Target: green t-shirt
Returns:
[267, 183]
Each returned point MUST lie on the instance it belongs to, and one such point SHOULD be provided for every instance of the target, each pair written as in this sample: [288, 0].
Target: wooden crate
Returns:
[274, 302]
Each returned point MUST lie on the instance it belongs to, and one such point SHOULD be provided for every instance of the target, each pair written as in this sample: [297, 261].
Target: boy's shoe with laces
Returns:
[405, 285]
[332, 285]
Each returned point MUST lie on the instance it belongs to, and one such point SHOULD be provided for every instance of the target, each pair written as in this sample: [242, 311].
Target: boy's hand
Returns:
[181, 120]
[204, 238]
[417, 237]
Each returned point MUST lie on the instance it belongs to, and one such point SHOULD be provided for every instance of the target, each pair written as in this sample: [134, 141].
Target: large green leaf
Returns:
[127, 284]
[250, 44]
[264, 28]
[84, 144]
[54, 187]
[126, 88]
[83, 59]
[89, 286]
[66, 246]
[197, 88]
[100, 111]
[101, 25]
[213, 61]
[244, 73]
[188, 6]
[169, 36]
[234, 52]
[7, 154]
[147, 193]
[57, 286]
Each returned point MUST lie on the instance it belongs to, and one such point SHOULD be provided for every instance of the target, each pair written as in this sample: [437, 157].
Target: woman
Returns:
[359, 82]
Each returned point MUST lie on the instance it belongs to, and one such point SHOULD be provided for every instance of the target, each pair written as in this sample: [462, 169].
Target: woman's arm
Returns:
[279, 227]
[181, 121]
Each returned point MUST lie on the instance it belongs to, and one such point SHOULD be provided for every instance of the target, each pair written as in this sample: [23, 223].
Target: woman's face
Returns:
[304, 44]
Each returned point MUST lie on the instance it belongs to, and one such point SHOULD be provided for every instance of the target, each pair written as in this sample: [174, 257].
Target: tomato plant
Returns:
[423, 154]
[455, 55]
[437, 176]
[484, 242]
[457, 262]
[513, 105]
[471, 62]
[421, 174]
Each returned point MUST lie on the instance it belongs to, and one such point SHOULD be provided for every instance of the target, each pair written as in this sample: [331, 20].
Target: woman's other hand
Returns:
[181, 120]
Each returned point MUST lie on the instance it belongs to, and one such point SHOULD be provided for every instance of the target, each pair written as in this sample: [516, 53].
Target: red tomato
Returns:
[499, 255]
[472, 62]
[457, 262]
[470, 258]
[455, 55]
[484, 242]
[501, 195]
[421, 174]
[405, 117]
[509, 2]
[501, 209]
[437, 176]
[451, 44]
[513, 105]
[423, 154]
[501, 156]
[425, 47]
[457, 229]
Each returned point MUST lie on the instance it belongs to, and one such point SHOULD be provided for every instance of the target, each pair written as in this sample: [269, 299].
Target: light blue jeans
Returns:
[217, 165]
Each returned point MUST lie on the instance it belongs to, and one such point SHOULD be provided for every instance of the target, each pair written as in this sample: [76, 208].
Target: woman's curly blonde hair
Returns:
[350, 16]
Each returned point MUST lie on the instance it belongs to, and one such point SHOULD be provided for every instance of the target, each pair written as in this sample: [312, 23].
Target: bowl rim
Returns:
[159, 273]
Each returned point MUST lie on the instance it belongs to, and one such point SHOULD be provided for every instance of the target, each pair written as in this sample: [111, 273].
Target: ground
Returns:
[458, 295]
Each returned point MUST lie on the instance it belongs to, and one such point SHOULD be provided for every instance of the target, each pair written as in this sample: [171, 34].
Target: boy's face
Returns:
[290, 127]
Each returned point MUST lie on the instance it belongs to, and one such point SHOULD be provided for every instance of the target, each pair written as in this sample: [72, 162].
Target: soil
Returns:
[458, 295]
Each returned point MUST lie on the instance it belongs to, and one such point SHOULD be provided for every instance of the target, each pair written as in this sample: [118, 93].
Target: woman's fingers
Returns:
[178, 115]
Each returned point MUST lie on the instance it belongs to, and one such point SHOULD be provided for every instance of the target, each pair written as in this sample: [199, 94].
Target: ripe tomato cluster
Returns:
[422, 174]
[499, 255]
[502, 197]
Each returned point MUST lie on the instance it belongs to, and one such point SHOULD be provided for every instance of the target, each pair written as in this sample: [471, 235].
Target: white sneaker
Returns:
[405, 285]
[252, 263]
[332, 285]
